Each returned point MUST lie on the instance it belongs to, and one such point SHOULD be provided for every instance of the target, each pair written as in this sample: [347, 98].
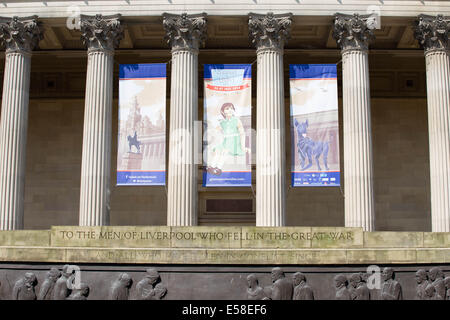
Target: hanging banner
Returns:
[314, 125]
[141, 155]
[227, 125]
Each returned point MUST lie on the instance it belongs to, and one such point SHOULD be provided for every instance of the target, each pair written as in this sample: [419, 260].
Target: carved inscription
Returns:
[195, 236]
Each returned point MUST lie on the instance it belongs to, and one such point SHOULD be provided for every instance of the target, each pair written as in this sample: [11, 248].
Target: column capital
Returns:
[185, 31]
[433, 32]
[269, 31]
[20, 34]
[101, 33]
[353, 32]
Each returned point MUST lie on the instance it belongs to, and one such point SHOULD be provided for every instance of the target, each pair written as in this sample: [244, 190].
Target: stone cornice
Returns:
[185, 31]
[352, 32]
[269, 31]
[433, 32]
[101, 33]
[20, 34]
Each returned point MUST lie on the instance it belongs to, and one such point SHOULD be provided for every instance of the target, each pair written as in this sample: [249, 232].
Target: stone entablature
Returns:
[65, 8]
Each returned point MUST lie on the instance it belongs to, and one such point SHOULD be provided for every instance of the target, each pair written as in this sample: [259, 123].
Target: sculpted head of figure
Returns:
[66, 270]
[152, 275]
[299, 278]
[365, 276]
[277, 273]
[125, 279]
[354, 280]
[340, 281]
[388, 273]
[434, 273]
[53, 274]
[421, 276]
[252, 281]
[30, 279]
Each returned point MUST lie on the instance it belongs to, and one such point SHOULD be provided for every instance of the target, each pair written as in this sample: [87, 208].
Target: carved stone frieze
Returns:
[185, 31]
[352, 32]
[24, 288]
[433, 32]
[269, 31]
[101, 33]
[20, 34]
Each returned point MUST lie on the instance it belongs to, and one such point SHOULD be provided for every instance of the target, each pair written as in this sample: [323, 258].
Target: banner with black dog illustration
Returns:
[227, 125]
[141, 153]
[314, 125]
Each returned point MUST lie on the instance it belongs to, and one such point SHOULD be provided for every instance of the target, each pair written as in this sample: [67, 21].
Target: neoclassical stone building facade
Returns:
[58, 146]
[367, 198]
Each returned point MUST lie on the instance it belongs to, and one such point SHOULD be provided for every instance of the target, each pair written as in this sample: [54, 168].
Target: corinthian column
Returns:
[433, 35]
[269, 33]
[185, 33]
[20, 36]
[101, 35]
[352, 35]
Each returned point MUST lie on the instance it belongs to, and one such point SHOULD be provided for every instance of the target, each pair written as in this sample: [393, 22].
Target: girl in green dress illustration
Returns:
[233, 143]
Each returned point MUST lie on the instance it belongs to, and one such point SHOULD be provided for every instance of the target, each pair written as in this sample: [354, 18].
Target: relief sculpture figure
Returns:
[340, 283]
[46, 291]
[150, 288]
[254, 291]
[391, 289]
[447, 288]
[61, 290]
[302, 290]
[436, 277]
[120, 289]
[282, 288]
[24, 287]
[357, 288]
[422, 283]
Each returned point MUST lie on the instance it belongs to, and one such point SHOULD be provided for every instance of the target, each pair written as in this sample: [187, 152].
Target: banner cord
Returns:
[342, 192]
[254, 61]
[339, 62]
[253, 191]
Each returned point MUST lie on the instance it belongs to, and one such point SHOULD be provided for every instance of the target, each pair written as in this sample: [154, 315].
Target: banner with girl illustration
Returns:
[227, 125]
[141, 154]
[314, 125]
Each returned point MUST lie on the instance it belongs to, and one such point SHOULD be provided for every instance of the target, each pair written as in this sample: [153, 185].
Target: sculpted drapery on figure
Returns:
[269, 31]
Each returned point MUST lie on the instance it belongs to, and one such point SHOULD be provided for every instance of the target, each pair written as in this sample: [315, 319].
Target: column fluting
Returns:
[185, 33]
[96, 153]
[353, 35]
[433, 34]
[20, 36]
[269, 33]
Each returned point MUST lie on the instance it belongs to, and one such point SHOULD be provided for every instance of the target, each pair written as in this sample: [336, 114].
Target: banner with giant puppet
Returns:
[227, 125]
[314, 125]
[141, 154]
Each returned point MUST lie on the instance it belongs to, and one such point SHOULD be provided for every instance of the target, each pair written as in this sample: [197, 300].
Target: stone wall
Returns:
[400, 145]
